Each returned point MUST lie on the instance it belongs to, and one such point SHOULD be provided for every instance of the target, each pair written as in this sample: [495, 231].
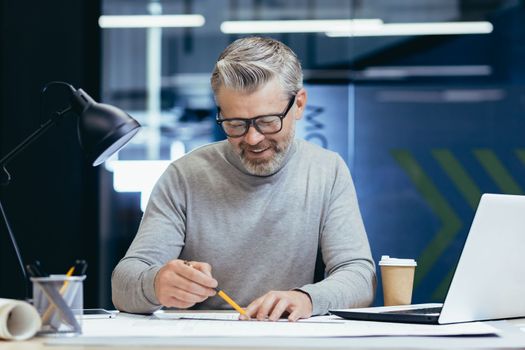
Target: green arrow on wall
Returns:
[497, 172]
[469, 190]
[455, 171]
[451, 224]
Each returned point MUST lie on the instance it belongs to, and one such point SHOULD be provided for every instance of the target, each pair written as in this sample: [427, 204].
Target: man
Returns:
[249, 214]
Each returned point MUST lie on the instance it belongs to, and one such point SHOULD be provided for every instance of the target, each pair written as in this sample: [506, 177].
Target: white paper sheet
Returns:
[131, 326]
[177, 315]
[230, 316]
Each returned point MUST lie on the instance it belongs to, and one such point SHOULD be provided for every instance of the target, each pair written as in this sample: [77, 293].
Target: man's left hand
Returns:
[274, 304]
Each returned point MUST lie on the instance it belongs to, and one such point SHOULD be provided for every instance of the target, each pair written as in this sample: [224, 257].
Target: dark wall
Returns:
[52, 199]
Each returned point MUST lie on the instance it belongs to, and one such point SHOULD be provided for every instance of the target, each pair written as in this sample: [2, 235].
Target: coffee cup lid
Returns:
[388, 261]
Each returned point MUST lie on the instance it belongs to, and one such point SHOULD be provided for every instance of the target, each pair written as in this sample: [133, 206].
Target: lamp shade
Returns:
[102, 129]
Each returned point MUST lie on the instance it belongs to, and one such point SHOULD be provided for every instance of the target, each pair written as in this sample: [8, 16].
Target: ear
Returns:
[300, 102]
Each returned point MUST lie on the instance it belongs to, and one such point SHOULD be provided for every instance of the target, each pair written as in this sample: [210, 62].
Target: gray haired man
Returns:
[250, 213]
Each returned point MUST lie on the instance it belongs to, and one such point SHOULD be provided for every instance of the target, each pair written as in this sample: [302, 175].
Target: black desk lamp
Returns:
[102, 131]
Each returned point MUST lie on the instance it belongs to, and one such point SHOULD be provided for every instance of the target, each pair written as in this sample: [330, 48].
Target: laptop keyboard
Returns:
[423, 311]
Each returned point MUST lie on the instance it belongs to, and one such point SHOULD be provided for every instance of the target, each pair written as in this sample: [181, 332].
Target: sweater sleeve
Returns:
[350, 269]
[159, 239]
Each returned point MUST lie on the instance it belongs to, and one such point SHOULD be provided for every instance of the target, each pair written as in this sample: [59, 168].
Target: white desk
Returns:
[511, 336]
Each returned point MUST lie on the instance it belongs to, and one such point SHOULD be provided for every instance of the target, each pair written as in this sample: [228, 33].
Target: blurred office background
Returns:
[424, 99]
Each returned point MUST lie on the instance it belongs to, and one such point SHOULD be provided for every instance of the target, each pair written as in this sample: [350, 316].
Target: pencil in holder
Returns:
[59, 300]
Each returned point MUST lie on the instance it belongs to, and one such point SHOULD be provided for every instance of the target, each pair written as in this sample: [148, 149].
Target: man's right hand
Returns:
[183, 284]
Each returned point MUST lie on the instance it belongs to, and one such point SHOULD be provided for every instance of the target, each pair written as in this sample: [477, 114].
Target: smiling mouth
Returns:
[259, 150]
[258, 154]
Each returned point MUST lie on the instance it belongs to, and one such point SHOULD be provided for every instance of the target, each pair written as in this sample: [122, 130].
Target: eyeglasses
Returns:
[264, 124]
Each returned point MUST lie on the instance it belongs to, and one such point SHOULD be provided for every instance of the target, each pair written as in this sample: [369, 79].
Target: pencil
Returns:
[230, 301]
[69, 273]
[51, 307]
[223, 295]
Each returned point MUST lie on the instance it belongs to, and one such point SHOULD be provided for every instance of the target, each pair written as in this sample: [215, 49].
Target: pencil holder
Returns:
[59, 300]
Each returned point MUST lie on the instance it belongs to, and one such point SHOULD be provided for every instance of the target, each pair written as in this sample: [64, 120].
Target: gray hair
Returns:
[249, 63]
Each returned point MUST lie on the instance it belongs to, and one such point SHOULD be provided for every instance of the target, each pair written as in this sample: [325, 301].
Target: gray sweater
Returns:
[259, 233]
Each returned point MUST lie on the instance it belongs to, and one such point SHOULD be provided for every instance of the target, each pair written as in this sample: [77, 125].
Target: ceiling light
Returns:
[402, 72]
[400, 29]
[151, 21]
[297, 26]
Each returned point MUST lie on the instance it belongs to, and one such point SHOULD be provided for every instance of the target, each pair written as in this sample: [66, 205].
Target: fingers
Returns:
[295, 315]
[202, 267]
[279, 309]
[251, 309]
[191, 272]
[174, 302]
[267, 306]
[180, 285]
[274, 304]
[262, 307]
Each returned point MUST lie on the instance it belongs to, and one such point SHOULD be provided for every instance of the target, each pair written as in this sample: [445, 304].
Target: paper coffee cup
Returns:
[397, 276]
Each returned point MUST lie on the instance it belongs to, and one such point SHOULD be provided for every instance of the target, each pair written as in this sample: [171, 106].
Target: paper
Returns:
[230, 316]
[18, 320]
[125, 326]
[177, 315]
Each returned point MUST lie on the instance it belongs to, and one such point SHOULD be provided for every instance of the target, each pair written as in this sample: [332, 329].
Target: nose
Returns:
[253, 137]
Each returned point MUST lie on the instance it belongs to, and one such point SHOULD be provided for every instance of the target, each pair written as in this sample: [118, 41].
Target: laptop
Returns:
[489, 280]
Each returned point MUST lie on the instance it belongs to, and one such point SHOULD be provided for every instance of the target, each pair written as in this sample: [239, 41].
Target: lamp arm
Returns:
[3, 163]
[29, 140]
[17, 251]
[102, 130]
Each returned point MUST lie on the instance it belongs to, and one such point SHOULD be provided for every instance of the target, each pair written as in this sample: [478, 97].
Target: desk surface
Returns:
[511, 337]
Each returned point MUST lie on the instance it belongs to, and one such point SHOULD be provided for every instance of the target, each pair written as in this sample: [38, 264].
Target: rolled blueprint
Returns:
[18, 320]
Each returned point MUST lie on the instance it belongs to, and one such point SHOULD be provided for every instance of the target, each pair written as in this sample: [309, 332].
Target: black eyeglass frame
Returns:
[253, 121]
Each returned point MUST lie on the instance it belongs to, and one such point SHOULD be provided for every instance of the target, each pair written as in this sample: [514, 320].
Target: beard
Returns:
[265, 167]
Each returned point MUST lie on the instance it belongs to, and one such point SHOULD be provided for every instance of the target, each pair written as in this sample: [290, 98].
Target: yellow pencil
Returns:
[51, 307]
[230, 301]
[69, 273]
[223, 295]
